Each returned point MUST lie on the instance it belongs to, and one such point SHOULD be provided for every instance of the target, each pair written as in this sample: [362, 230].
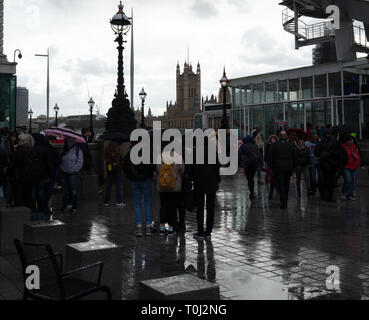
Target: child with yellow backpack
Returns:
[169, 187]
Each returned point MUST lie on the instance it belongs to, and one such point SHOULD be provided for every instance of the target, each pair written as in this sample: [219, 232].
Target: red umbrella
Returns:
[298, 132]
[65, 132]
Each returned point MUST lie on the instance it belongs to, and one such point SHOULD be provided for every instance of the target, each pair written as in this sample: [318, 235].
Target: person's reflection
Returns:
[210, 273]
[181, 252]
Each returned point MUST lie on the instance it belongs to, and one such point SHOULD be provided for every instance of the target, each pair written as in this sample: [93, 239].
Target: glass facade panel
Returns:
[7, 101]
[237, 95]
[270, 91]
[258, 93]
[256, 117]
[296, 115]
[282, 91]
[335, 84]
[294, 89]
[248, 95]
[270, 120]
[307, 87]
[321, 86]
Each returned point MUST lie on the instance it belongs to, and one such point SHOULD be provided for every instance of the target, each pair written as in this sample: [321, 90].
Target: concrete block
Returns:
[88, 187]
[111, 255]
[183, 287]
[12, 222]
[48, 232]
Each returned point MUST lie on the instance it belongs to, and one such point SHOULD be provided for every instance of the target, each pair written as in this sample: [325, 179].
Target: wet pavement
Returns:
[257, 250]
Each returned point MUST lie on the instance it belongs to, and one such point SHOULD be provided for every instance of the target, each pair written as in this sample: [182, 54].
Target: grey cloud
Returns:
[204, 9]
[242, 5]
[95, 67]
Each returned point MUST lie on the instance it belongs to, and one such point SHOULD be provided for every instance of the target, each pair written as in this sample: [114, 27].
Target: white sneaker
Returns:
[106, 205]
[121, 205]
[148, 230]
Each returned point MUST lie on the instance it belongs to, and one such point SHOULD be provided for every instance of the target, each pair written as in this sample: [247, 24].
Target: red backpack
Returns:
[113, 159]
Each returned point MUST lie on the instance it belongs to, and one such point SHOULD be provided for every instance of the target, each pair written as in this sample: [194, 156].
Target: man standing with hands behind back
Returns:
[283, 161]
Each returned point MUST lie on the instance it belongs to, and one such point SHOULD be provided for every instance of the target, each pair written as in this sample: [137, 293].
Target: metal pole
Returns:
[360, 129]
[30, 124]
[305, 118]
[143, 115]
[48, 86]
[337, 115]
[332, 111]
[56, 118]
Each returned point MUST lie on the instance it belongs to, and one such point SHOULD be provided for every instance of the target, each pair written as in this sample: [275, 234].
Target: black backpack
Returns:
[32, 170]
[250, 155]
[134, 172]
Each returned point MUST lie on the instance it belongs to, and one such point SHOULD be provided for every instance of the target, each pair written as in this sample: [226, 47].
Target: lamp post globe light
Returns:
[30, 113]
[91, 103]
[56, 109]
[224, 83]
[143, 96]
[120, 119]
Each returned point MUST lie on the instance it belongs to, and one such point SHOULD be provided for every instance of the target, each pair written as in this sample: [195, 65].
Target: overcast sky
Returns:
[244, 35]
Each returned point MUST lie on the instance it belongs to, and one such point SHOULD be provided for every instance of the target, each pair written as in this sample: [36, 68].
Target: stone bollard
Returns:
[183, 287]
[48, 232]
[111, 255]
[12, 222]
[88, 187]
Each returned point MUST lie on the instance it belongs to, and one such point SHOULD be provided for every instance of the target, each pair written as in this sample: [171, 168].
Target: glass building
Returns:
[332, 93]
[8, 85]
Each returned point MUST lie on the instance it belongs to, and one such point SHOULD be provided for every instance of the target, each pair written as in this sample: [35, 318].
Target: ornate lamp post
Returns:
[143, 96]
[120, 118]
[224, 83]
[56, 109]
[30, 113]
[91, 103]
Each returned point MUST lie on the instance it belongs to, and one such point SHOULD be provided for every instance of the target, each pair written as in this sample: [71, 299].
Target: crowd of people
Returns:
[319, 158]
[30, 167]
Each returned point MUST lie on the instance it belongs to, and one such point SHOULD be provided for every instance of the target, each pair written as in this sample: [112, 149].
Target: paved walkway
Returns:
[257, 252]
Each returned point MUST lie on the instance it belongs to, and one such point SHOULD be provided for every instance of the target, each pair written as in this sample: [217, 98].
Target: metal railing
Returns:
[306, 31]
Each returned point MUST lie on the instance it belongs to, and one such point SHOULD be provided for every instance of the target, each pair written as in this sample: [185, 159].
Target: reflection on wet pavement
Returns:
[257, 250]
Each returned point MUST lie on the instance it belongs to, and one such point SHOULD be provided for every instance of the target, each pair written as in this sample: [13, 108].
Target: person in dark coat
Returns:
[302, 165]
[23, 182]
[332, 158]
[206, 179]
[250, 157]
[44, 156]
[283, 162]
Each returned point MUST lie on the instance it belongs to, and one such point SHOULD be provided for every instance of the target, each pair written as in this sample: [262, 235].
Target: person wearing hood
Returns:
[302, 165]
[249, 157]
[332, 157]
[314, 166]
[71, 166]
[270, 175]
[46, 172]
[283, 162]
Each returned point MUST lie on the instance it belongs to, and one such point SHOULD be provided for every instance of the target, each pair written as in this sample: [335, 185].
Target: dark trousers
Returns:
[70, 189]
[250, 175]
[169, 202]
[210, 211]
[328, 182]
[42, 196]
[23, 197]
[283, 184]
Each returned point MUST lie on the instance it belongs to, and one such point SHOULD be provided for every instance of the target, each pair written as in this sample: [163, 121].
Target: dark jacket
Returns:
[206, 177]
[16, 168]
[283, 156]
[87, 159]
[302, 156]
[3, 163]
[249, 154]
[42, 151]
[136, 173]
[331, 154]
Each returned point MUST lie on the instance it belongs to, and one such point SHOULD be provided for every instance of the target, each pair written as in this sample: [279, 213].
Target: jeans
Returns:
[314, 169]
[70, 189]
[302, 172]
[142, 189]
[210, 211]
[41, 196]
[348, 187]
[328, 182]
[117, 178]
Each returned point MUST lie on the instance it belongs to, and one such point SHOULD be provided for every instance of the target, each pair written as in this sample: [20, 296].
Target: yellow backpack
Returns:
[167, 177]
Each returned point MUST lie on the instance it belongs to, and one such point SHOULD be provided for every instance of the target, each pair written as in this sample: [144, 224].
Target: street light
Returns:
[56, 109]
[19, 54]
[30, 113]
[91, 103]
[47, 82]
[143, 96]
[224, 83]
[120, 119]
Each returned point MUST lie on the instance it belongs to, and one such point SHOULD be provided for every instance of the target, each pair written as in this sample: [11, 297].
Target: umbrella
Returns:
[65, 133]
[298, 132]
